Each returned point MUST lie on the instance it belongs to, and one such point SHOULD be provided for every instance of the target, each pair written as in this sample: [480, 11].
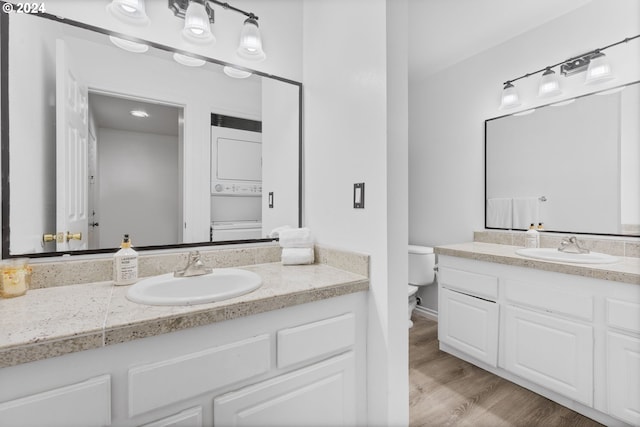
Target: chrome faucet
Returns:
[194, 267]
[572, 245]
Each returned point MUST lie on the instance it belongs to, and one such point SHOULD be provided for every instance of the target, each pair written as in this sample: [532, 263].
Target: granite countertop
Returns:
[54, 321]
[627, 270]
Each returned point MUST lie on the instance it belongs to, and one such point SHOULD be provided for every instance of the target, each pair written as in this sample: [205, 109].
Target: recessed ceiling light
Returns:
[139, 113]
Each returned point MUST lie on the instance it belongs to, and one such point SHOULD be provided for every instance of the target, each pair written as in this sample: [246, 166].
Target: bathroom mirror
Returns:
[70, 191]
[574, 166]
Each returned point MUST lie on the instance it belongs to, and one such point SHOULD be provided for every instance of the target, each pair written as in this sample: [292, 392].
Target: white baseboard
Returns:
[426, 312]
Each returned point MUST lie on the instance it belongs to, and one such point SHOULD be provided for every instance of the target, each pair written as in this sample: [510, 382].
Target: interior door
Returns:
[72, 130]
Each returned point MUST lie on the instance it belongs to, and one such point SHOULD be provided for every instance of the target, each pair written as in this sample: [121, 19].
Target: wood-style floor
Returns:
[447, 391]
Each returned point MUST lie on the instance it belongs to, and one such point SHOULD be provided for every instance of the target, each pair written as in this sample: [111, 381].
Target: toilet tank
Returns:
[422, 260]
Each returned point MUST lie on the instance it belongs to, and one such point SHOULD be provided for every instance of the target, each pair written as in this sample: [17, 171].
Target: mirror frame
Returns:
[5, 143]
[536, 107]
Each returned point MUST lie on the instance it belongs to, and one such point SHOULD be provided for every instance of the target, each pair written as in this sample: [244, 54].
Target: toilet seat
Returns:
[412, 290]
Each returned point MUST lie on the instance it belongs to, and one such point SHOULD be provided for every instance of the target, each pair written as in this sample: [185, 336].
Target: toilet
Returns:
[422, 261]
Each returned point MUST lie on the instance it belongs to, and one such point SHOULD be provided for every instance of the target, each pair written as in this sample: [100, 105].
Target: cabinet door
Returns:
[552, 352]
[469, 324]
[623, 377]
[322, 394]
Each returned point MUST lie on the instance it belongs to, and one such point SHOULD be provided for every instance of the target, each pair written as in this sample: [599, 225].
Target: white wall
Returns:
[355, 105]
[280, 154]
[138, 191]
[448, 110]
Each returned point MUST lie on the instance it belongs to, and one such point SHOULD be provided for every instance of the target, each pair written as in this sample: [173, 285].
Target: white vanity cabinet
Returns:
[292, 366]
[573, 339]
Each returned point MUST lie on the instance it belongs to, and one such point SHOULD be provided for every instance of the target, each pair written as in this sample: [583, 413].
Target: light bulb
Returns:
[129, 11]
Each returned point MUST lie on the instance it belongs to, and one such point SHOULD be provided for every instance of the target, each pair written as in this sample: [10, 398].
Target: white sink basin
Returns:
[223, 283]
[552, 254]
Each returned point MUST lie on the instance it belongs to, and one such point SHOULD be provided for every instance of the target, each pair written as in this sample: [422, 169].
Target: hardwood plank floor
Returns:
[447, 391]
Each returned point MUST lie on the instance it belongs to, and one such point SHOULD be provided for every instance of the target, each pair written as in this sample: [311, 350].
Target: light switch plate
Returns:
[358, 195]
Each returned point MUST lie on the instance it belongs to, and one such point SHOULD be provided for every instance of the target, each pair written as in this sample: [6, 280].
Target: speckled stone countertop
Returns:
[626, 271]
[53, 321]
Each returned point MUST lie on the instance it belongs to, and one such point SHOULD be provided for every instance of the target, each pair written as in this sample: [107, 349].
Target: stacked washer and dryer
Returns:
[236, 179]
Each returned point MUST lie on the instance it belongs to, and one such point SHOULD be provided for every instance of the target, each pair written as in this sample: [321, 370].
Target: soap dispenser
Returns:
[125, 264]
[532, 237]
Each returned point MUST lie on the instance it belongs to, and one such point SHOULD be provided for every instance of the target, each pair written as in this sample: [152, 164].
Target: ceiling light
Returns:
[139, 113]
[250, 41]
[196, 23]
[549, 84]
[129, 11]
[236, 73]
[128, 45]
[510, 98]
[189, 61]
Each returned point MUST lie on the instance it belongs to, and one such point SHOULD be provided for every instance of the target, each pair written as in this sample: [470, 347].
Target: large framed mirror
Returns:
[573, 166]
[98, 141]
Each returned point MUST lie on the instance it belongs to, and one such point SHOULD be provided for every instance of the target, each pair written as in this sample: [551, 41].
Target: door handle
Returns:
[58, 238]
[73, 236]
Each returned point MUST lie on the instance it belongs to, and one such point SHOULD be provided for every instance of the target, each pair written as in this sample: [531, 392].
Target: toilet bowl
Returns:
[422, 261]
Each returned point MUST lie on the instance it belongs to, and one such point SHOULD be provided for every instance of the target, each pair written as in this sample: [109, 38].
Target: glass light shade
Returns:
[128, 45]
[235, 73]
[599, 69]
[196, 24]
[188, 61]
[510, 98]
[130, 11]
[549, 84]
[251, 42]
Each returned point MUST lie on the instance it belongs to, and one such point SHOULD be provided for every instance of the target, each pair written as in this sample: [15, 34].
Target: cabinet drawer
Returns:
[481, 285]
[469, 324]
[552, 352]
[83, 404]
[623, 314]
[315, 339]
[163, 383]
[550, 297]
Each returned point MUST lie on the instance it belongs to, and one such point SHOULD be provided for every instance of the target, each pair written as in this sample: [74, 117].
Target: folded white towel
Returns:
[500, 213]
[525, 212]
[297, 256]
[296, 238]
[276, 231]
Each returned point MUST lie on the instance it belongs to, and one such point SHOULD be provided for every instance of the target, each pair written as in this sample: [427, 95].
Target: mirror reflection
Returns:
[574, 167]
[104, 141]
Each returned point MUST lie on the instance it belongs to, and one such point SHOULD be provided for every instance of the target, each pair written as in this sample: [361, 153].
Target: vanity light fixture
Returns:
[598, 70]
[235, 72]
[198, 15]
[129, 11]
[128, 45]
[188, 61]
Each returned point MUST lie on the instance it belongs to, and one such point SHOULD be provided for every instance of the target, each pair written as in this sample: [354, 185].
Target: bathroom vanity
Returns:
[293, 350]
[570, 332]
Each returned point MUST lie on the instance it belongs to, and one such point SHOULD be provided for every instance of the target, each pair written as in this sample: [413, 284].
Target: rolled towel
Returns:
[296, 238]
[276, 231]
[297, 256]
